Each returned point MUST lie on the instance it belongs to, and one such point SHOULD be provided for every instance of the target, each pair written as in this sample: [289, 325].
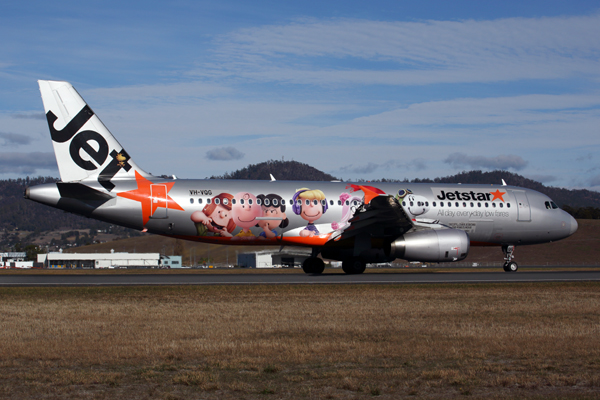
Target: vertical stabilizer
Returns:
[85, 150]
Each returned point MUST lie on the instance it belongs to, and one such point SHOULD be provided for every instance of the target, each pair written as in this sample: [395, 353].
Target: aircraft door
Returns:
[523, 209]
[158, 194]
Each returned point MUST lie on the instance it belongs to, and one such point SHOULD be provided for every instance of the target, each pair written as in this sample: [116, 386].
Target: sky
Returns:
[360, 90]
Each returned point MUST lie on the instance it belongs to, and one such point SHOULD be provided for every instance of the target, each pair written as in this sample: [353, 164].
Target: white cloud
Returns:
[409, 53]
[504, 161]
[224, 154]
[26, 163]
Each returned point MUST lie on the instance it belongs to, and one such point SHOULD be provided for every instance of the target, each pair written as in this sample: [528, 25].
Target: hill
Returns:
[281, 170]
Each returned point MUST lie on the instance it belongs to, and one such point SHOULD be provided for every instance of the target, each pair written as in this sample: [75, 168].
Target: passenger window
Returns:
[494, 205]
[233, 201]
[225, 201]
[412, 203]
[330, 202]
[434, 204]
[508, 205]
[217, 201]
[191, 201]
[208, 201]
[441, 204]
[200, 201]
[403, 203]
[464, 204]
[426, 204]
[347, 203]
[456, 204]
[479, 205]
[486, 205]
[501, 205]
[258, 202]
[339, 202]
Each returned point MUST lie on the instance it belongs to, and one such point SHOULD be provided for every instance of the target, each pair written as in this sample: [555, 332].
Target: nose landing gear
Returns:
[509, 264]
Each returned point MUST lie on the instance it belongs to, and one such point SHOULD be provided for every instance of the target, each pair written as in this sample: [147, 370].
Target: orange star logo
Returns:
[498, 195]
[151, 196]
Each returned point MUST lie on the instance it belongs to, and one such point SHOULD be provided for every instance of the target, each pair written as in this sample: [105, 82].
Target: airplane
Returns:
[355, 223]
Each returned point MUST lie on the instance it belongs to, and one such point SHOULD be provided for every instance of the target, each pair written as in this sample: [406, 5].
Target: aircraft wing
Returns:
[382, 217]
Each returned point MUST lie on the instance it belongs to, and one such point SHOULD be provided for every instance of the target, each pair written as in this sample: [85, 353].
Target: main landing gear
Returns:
[313, 265]
[353, 265]
[509, 264]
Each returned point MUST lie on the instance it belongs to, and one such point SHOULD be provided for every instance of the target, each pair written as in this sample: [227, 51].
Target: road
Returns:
[295, 279]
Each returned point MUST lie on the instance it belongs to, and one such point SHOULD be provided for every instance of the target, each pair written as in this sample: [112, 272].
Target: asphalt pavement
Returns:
[294, 279]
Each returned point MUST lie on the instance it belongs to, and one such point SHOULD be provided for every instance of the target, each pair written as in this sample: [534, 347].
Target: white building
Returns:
[100, 260]
[273, 259]
[14, 260]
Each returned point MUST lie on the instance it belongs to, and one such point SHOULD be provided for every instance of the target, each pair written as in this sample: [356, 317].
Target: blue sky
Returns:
[384, 89]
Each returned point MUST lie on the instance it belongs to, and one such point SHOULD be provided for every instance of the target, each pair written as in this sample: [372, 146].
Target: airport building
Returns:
[61, 260]
[15, 259]
[273, 259]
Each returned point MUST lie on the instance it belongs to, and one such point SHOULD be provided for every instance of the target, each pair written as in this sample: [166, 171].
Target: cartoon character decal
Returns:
[245, 211]
[272, 206]
[349, 206]
[216, 217]
[415, 205]
[310, 205]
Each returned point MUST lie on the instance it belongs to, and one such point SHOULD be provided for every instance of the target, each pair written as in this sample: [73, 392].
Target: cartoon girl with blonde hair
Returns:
[215, 217]
[310, 205]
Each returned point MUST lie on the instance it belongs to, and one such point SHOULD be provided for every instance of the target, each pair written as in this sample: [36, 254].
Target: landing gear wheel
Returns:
[313, 265]
[511, 266]
[353, 265]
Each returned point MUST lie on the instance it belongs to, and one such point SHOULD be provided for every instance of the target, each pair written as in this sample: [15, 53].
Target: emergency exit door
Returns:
[523, 209]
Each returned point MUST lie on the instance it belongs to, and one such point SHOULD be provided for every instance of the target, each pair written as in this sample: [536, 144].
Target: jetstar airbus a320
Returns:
[353, 223]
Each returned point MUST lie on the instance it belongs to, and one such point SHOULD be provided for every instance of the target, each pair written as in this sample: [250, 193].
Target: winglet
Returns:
[272, 178]
[503, 183]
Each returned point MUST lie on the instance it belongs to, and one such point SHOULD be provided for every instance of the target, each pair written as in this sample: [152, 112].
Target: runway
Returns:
[296, 279]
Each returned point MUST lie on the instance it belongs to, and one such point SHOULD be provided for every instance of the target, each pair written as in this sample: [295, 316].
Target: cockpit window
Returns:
[547, 204]
[554, 206]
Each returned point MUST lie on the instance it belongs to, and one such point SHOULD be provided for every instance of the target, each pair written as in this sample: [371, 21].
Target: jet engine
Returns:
[431, 245]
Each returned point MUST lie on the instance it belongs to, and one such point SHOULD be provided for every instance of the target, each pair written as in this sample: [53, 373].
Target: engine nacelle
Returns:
[432, 245]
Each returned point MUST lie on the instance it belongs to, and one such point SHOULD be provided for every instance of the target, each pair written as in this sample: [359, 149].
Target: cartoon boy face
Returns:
[245, 210]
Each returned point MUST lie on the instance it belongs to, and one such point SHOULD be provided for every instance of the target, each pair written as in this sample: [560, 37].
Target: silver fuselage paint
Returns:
[490, 214]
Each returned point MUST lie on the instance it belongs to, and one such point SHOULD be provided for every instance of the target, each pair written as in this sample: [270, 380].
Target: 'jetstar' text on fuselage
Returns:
[464, 196]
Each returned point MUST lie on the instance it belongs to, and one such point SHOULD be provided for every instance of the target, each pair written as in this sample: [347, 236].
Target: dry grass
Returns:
[498, 341]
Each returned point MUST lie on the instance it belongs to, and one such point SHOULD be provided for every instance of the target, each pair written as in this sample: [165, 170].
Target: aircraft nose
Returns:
[574, 226]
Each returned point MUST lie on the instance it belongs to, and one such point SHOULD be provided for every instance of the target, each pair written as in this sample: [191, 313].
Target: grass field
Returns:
[271, 342]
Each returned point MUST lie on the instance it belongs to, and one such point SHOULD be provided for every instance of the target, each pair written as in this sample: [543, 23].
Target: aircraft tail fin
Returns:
[84, 148]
